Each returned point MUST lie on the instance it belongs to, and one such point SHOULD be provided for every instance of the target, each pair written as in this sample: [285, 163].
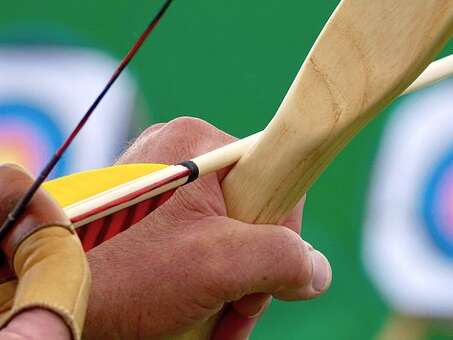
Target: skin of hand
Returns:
[36, 324]
[183, 262]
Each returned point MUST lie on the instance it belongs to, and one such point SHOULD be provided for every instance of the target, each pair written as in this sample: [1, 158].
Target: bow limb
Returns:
[367, 54]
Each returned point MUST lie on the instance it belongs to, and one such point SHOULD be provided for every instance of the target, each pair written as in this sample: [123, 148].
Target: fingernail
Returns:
[321, 272]
[253, 305]
[260, 310]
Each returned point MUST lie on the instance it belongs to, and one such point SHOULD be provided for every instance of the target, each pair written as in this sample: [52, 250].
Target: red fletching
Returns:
[93, 234]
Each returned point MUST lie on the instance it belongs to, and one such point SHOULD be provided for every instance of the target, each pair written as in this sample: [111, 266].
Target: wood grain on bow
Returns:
[368, 53]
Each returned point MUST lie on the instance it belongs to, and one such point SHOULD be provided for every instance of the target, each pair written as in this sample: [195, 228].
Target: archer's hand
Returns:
[44, 274]
[181, 264]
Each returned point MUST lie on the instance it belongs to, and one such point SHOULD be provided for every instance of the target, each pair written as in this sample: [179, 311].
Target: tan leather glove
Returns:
[43, 263]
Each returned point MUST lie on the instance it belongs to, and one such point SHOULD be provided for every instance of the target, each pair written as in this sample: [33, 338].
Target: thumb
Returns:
[271, 259]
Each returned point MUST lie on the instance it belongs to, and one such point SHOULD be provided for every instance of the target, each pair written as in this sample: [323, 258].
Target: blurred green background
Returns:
[231, 62]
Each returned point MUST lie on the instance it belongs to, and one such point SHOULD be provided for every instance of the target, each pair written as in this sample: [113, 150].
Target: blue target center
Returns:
[437, 205]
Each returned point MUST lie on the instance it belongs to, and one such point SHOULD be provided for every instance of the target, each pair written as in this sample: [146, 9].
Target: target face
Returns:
[408, 236]
[29, 137]
[44, 92]
[438, 205]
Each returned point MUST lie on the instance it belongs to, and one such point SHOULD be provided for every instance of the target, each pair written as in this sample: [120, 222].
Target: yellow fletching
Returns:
[74, 188]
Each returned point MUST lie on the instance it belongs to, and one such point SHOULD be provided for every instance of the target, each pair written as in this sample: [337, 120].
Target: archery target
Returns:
[28, 137]
[45, 90]
[408, 234]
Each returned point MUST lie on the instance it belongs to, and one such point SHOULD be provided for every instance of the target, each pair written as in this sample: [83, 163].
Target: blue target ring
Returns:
[29, 136]
[437, 205]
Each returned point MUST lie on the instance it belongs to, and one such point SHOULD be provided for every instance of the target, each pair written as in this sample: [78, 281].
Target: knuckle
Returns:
[197, 131]
[151, 130]
[298, 259]
[14, 181]
[181, 127]
[179, 139]
[11, 173]
[10, 167]
[189, 123]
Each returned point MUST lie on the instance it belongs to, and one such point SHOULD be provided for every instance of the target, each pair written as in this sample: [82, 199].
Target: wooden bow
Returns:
[366, 55]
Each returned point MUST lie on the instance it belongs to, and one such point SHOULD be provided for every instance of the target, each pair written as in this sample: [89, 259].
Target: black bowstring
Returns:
[22, 204]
